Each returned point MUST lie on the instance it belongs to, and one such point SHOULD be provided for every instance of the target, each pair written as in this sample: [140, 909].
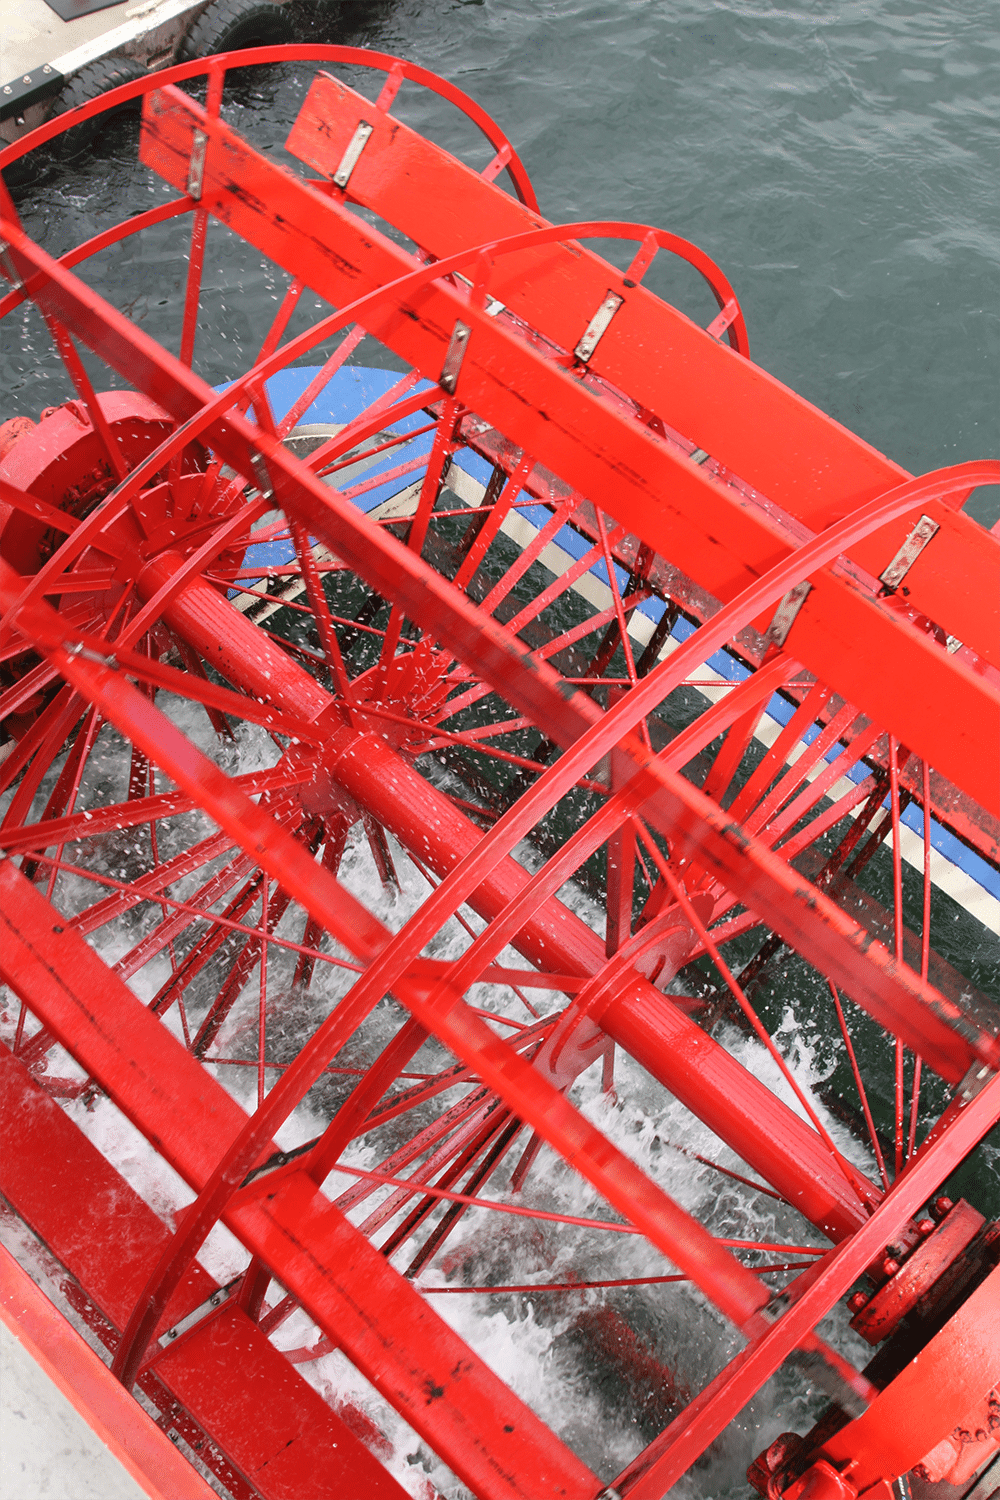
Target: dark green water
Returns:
[840, 162]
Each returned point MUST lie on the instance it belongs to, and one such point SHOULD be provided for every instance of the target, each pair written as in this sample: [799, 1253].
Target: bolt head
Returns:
[857, 1302]
[890, 1266]
[925, 1227]
[940, 1207]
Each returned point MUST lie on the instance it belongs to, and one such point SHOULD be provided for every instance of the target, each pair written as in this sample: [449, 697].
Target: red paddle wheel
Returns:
[330, 879]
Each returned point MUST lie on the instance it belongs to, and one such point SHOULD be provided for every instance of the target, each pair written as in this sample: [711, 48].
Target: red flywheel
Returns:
[447, 788]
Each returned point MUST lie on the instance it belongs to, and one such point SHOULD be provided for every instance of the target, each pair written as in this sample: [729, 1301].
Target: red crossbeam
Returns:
[669, 1456]
[867, 651]
[480, 1428]
[121, 1425]
[736, 412]
[71, 1196]
[168, 1096]
[734, 1103]
[805, 917]
[593, 426]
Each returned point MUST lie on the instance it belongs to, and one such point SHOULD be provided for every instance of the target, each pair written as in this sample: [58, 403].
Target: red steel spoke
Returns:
[727, 931]
[200, 955]
[925, 943]
[620, 614]
[81, 383]
[147, 669]
[477, 512]
[859, 1085]
[451, 1158]
[262, 1008]
[813, 791]
[530, 553]
[250, 1062]
[289, 303]
[737, 993]
[47, 735]
[582, 1286]
[776, 755]
[152, 885]
[192, 296]
[200, 913]
[798, 771]
[488, 731]
[58, 718]
[68, 784]
[391, 407]
[897, 943]
[485, 973]
[351, 1118]
[402, 440]
[558, 586]
[433, 1138]
[199, 230]
[165, 931]
[758, 1187]
[89, 733]
[45, 835]
[521, 1211]
[384, 477]
[499, 1142]
[320, 381]
[587, 627]
[464, 700]
[862, 791]
[321, 612]
[303, 609]
[498, 514]
[437, 465]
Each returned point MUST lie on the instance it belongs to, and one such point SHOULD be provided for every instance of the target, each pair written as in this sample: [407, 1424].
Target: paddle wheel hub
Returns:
[933, 1283]
[450, 780]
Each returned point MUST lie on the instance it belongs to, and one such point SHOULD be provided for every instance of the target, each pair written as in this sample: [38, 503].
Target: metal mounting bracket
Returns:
[196, 166]
[349, 160]
[201, 1312]
[784, 615]
[278, 1159]
[974, 1081]
[908, 553]
[30, 88]
[262, 476]
[454, 357]
[9, 268]
[597, 326]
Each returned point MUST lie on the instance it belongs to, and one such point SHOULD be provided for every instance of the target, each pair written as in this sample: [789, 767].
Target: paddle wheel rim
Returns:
[350, 756]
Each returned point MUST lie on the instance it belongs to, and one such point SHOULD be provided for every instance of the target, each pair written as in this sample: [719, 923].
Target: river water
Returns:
[840, 165]
[839, 161]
